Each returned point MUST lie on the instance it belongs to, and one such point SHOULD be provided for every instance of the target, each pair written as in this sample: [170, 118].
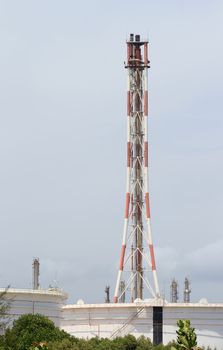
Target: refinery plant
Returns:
[137, 306]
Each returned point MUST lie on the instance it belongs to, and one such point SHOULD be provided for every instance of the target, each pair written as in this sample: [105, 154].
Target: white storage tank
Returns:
[153, 319]
[32, 301]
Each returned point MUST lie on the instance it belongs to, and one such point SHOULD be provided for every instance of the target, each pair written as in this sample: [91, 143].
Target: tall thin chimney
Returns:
[36, 273]
[187, 290]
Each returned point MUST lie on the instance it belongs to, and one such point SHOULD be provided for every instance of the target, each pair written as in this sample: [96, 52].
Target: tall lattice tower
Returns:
[137, 260]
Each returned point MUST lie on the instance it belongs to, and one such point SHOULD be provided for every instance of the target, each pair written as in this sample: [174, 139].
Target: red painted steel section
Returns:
[115, 299]
[147, 205]
[128, 154]
[128, 103]
[138, 53]
[128, 52]
[131, 211]
[127, 200]
[152, 257]
[122, 258]
[146, 154]
[146, 103]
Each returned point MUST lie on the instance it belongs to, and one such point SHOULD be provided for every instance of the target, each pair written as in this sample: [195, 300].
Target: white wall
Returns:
[206, 319]
[45, 302]
[110, 320]
[105, 319]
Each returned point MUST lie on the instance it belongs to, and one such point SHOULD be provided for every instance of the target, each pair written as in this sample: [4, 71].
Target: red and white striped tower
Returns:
[137, 261]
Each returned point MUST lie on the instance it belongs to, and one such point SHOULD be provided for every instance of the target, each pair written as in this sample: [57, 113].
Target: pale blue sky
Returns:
[62, 141]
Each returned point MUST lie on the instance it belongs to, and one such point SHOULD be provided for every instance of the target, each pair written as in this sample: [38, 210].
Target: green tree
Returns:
[39, 346]
[127, 342]
[144, 343]
[30, 329]
[4, 310]
[186, 336]
[65, 344]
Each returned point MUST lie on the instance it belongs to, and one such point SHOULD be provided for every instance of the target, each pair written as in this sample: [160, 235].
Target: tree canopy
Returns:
[29, 329]
[4, 310]
[186, 336]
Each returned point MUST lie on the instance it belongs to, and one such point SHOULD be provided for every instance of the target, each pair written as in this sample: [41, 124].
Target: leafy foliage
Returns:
[65, 344]
[186, 336]
[4, 310]
[39, 346]
[29, 329]
[128, 342]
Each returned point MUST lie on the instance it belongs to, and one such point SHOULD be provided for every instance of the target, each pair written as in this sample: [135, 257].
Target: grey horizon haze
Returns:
[63, 142]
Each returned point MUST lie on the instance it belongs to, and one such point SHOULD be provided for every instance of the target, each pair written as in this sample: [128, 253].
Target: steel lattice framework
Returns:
[137, 260]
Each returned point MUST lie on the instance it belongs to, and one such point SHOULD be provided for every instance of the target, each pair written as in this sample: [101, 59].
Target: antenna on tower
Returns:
[137, 258]
[187, 290]
[107, 292]
[36, 265]
[174, 291]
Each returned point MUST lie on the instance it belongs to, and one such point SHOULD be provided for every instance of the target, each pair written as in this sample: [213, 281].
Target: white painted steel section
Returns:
[128, 171]
[156, 283]
[118, 283]
[146, 182]
[149, 231]
[125, 232]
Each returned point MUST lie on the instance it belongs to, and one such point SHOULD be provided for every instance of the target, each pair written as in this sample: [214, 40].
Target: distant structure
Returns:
[122, 292]
[187, 290]
[137, 257]
[107, 292]
[174, 296]
[36, 273]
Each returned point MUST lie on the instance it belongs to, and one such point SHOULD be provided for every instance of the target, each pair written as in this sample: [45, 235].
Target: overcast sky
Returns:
[63, 137]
